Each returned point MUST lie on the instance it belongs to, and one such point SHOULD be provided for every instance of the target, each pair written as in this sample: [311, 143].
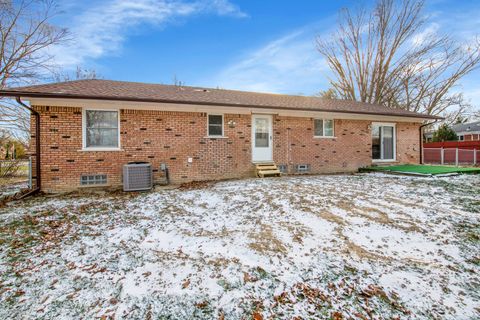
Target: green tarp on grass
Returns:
[424, 169]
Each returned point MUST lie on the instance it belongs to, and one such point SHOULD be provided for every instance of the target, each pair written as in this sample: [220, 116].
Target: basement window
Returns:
[215, 125]
[323, 128]
[96, 179]
[302, 168]
[101, 129]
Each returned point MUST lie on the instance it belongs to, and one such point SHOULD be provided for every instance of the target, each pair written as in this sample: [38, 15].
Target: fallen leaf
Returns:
[186, 284]
[248, 278]
[202, 304]
[19, 293]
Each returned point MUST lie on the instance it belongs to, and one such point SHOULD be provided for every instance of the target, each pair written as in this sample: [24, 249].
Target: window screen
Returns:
[328, 128]
[323, 128]
[302, 168]
[215, 125]
[101, 129]
[318, 127]
[262, 133]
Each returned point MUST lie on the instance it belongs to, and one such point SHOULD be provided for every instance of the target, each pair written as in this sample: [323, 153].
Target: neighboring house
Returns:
[90, 128]
[428, 136]
[467, 131]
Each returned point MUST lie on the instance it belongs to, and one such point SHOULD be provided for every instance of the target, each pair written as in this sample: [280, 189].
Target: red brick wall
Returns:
[294, 144]
[351, 148]
[408, 142]
[172, 137]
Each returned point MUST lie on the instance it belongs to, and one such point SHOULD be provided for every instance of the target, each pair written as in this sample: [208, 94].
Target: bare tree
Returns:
[25, 35]
[476, 115]
[386, 56]
[330, 93]
[79, 74]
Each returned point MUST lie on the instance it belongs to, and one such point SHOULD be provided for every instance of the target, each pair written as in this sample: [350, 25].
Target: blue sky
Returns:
[264, 45]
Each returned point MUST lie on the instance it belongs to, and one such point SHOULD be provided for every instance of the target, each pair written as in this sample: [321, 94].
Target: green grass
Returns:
[423, 169]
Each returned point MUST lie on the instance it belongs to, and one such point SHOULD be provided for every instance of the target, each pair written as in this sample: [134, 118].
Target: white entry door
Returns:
[262, 138]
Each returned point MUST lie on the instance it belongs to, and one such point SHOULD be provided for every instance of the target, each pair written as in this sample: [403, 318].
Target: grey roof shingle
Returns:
[135, 91]
[467, 127]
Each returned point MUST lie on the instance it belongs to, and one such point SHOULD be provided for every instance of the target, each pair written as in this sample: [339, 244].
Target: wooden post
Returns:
[423, 154]
[456, 157]
[442, 155]
[474, 156]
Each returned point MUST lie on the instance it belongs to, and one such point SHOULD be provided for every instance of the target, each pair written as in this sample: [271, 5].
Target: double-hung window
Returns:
[215, 125]
[323, 128]
[101, 129]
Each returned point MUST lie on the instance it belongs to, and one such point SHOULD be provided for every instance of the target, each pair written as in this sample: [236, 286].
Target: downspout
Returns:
[38, 176]
[421, 137]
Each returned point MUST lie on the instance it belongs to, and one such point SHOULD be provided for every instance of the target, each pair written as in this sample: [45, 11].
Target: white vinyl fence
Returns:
[451, 156]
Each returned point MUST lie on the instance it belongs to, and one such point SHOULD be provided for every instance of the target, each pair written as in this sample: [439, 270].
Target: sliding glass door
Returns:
[383, 142]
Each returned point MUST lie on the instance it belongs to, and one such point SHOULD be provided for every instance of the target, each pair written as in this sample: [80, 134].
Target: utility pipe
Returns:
[421, 137]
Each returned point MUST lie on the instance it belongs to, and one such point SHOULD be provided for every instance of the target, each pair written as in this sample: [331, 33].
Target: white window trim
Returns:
[387, 124]
[223, 125]
[84, 131]
[323, 136]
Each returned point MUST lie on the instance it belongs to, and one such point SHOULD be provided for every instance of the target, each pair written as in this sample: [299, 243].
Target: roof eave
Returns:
[26, 94]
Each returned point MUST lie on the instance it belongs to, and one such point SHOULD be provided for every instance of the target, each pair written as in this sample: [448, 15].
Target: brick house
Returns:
[467, 131]
[91, 128]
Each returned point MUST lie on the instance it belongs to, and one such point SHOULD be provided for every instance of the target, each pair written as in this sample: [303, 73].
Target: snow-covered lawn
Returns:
[345, 246]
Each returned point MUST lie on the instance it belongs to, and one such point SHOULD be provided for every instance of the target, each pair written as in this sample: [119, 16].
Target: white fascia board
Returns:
[175, 107]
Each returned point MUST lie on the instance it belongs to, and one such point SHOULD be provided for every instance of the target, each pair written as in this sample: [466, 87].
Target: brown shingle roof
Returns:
[135, 91]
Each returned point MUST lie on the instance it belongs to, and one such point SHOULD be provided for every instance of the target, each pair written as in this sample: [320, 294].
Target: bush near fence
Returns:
[13, 168]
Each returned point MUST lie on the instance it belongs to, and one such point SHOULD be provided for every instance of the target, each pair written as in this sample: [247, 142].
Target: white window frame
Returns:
[208, 125]
[84, 131]
[461, 137]
[387, 124]
[323, 128]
